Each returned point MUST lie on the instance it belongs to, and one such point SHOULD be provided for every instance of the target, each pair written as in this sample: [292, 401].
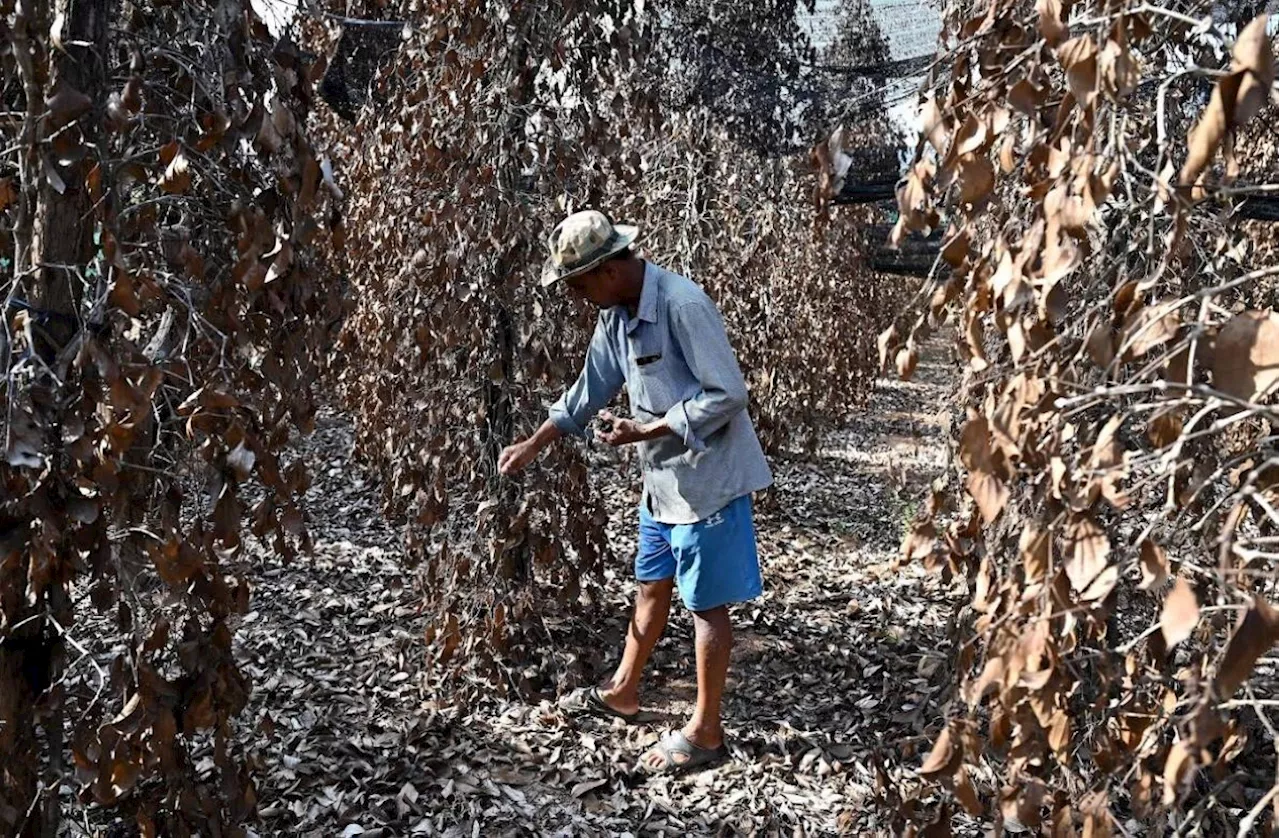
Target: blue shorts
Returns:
[713, 561]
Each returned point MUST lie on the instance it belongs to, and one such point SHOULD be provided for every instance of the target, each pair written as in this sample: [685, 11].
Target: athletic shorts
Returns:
[713, 561]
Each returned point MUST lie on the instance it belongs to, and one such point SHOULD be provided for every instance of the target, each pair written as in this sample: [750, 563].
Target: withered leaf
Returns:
[1253, 53]
[1153, 563]
[1101, 345]
[966, 793]
[1178, 764]
[1080, 58]
[944, 758]
[1051, 26]
[1088, 548]
[885, 342]
[586, 786]
[919, 541]
[1180, 614]
[67, 105]
[1102, 585]
[1060, 734]
[1034, 548]
[934, 126]
[1246, 357]
[1149, 327]
[906, 362]
[977, 177]
[1026, 97]
[988, 491]
[1254, 636]
[1164, 427]
[177, 175]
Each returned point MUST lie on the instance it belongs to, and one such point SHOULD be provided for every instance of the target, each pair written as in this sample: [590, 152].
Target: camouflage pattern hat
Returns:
[582, 241]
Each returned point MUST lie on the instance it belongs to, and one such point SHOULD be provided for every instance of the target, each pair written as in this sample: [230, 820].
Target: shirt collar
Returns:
[647, 311]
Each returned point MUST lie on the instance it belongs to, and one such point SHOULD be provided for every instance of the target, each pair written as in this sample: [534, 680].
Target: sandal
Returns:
[589, 700]
[677, 743]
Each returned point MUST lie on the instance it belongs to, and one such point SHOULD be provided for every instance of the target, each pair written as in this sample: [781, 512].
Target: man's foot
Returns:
[677, 753]
[623, 704]
[595, 701]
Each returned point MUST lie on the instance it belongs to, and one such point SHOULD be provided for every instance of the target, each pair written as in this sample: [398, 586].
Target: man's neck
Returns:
[635, 287]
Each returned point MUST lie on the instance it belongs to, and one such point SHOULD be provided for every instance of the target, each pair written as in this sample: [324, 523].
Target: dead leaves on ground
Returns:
[348, 738]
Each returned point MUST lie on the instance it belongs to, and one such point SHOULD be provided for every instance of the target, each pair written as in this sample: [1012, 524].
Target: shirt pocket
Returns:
[650, 384]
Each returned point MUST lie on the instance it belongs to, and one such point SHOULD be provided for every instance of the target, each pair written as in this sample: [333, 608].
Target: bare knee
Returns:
[655, 591]
[713, 622]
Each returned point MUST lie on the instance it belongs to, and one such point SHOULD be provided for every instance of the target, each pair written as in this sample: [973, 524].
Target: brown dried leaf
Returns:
[974, 337]
[1034, 548]
[945, 757]
[1101, 345]
[1254, 636]
[1206, 136]
[919, 542]
[1060, 735]
[1153, 563]
[1253, 52]
[1246, 357]
[1164, 427]
[1079, 57]
[989, 492]
[1150, 327]
[1088, 548]
[934, 125]
[906, 362]
[1180, 614]
[1177, 766]
[177, 175]
[1051, 26]
[66, 106]
[1102, 585]
[977, 178]
[966, 793]
[885, 343]
[1026, 97]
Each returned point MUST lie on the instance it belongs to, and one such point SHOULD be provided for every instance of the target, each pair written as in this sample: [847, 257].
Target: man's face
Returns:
[590, 286]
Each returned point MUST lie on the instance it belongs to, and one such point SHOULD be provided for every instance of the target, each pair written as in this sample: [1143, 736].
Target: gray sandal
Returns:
[588, 700]
[677, 743]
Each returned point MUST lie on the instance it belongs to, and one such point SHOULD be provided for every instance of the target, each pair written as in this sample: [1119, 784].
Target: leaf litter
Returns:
[842, 661]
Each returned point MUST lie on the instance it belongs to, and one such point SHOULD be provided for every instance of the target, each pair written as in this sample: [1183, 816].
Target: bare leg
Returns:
[653, 605]
[713, 638]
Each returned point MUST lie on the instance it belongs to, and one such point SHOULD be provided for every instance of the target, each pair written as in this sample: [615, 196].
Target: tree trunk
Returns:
[498, 395]
[53, 246]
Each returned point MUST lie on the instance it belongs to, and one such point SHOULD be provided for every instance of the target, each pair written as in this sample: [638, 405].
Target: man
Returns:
[663, 337]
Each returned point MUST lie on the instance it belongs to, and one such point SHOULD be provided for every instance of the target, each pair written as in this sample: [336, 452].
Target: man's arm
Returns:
[600, 380]
[700, 332]
[627, 431]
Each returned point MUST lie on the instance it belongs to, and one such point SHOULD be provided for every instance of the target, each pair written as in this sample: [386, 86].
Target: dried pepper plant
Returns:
[159, 340]
[496, 119]
[1113, 507]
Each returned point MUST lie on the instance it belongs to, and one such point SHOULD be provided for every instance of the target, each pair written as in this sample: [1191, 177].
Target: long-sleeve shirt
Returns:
[676, 361]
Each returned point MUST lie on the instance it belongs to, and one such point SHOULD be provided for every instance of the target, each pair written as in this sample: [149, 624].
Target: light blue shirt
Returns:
[677, 364]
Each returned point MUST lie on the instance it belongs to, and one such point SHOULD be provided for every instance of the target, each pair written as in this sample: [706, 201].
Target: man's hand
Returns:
[628, 431]
[516, 456]
[519, 454]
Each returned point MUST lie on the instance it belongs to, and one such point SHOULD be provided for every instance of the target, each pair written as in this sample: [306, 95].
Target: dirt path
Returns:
[835, 663]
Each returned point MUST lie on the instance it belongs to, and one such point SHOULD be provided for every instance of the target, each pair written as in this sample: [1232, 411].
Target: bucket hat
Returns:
[581, 242]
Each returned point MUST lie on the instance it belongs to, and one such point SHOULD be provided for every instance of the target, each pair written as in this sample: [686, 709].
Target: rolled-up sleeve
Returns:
[600, 380]
[698, 329]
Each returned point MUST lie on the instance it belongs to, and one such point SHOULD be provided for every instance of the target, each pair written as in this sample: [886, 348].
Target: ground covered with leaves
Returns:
[841, 662]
